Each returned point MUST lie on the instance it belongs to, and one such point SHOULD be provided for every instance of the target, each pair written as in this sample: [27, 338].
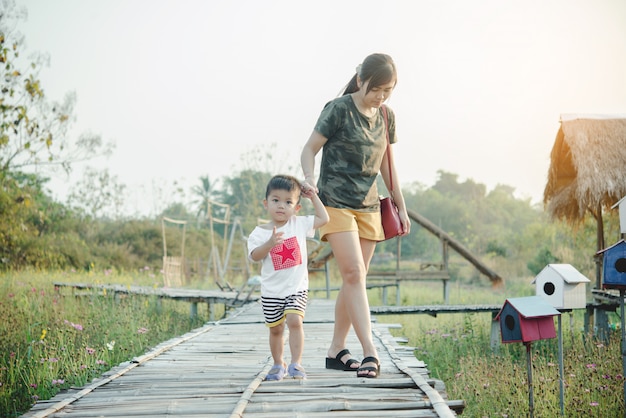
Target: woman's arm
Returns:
[397, 196]
[307, 158]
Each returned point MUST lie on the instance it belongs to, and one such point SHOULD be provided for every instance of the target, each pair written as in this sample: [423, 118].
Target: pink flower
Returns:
[90, 350]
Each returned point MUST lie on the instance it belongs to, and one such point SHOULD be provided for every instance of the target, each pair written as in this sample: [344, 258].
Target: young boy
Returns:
[281, 246]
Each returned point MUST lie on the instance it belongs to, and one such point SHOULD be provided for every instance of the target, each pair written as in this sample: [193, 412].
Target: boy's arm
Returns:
[260, 252]
[321, 216]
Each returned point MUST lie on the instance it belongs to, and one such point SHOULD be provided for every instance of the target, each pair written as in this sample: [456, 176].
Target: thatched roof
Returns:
[587, 167]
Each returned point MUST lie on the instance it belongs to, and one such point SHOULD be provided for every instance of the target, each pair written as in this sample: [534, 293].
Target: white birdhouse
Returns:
[562, 286]
[622, 214]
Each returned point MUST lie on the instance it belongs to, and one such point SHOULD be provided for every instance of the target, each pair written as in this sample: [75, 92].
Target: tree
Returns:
[203, 193]
[33, 130]
[99, 194]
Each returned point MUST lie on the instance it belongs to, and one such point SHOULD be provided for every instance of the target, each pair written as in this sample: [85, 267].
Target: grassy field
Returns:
[52, 340]
[456, 348]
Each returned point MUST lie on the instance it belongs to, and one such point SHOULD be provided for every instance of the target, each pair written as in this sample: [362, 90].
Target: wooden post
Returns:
[561, 383]
[621, 307]
[495, 331]
[529, 363]
[193, 310]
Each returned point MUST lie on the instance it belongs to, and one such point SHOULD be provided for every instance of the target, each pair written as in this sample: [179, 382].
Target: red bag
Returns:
[388, 209]
[390, 218]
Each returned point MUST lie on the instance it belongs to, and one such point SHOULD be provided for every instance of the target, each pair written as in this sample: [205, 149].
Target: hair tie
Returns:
[358, 69]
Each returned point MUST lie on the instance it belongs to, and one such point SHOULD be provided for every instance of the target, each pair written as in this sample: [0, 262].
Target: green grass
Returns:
[456, 348]
[51, 340]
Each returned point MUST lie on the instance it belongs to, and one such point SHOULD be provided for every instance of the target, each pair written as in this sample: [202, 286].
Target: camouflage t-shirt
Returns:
[352, 156]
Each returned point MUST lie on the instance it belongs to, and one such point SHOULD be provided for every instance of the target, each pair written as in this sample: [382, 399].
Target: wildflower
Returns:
[606, 376]
[591, 366]
[57, 382]
[90, 350]
[53, 359]
[78, 327]
[35, 398]
[142, 330]
[445, 335]
[101, 362]
[459, 374]
[111, 345]
[83, 366]
[43, 334]
[33, 385]
[594, 403]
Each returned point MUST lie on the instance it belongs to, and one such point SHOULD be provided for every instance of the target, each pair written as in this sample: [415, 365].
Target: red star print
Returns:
[286, 255]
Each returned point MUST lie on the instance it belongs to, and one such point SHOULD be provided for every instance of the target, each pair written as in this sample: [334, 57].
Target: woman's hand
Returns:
[406, 222]
[309, 186]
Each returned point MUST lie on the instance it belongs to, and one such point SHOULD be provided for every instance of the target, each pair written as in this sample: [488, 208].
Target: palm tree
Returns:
[203, 193]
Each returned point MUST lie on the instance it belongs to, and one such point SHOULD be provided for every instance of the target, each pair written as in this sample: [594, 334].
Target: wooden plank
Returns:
[433, 309]
[218, 370]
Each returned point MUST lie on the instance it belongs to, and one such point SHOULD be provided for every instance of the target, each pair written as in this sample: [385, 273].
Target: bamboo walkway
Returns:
[218, 371]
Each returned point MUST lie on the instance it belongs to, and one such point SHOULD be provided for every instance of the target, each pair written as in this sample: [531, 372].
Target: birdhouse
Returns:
[526, 319]
[614, 266]
[622, 214]
[562, 286]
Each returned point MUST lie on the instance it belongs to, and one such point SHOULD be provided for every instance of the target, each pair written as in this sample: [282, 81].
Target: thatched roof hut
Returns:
[588, 166]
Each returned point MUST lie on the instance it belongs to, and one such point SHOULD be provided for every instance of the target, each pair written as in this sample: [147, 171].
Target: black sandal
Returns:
[368, 369]
[337, 364]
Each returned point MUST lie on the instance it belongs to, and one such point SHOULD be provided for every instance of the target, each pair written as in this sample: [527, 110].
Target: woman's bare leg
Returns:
[352, 307]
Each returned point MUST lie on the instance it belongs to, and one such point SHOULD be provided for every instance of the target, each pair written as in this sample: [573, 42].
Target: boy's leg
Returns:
[296, 337]
[277, 343]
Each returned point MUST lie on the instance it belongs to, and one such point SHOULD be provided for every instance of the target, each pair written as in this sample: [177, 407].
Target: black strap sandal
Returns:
[369, 369]
[337, 364]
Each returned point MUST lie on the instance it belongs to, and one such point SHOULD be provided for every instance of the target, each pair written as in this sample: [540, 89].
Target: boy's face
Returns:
[282, 205]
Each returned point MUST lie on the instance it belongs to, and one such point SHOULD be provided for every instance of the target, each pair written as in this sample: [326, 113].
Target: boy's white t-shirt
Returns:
[284, 270]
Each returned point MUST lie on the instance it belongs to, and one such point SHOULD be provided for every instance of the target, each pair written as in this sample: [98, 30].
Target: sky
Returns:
[189, 88]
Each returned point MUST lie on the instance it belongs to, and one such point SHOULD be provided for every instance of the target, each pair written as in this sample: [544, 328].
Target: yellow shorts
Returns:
[367, 224]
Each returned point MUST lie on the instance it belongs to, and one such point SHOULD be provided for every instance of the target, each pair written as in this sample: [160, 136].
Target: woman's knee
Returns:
[354, 274]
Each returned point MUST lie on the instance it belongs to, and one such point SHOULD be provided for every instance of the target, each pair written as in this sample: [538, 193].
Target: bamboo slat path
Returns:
[218, 371]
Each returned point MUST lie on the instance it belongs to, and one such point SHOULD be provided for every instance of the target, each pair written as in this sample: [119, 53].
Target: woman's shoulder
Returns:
[341, 102]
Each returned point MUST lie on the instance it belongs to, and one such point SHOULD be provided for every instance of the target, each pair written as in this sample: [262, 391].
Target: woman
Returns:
[351, 130]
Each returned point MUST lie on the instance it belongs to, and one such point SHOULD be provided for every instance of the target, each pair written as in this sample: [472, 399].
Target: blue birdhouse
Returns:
[526, 319]
[614, 266]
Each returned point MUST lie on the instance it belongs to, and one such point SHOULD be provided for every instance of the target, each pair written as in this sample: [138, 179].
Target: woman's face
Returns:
[377, 95]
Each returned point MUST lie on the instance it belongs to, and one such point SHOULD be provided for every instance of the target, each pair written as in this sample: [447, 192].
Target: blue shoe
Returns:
[296, 371]
[277, 372]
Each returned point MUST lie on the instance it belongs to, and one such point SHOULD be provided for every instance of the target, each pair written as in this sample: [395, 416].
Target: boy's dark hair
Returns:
[283, 182]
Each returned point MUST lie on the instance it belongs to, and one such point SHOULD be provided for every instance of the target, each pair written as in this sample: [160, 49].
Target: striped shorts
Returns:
[275, 309]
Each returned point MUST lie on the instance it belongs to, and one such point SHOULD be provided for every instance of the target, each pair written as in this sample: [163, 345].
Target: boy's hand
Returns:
[308, 191]
[276, 238]
[308, 186]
